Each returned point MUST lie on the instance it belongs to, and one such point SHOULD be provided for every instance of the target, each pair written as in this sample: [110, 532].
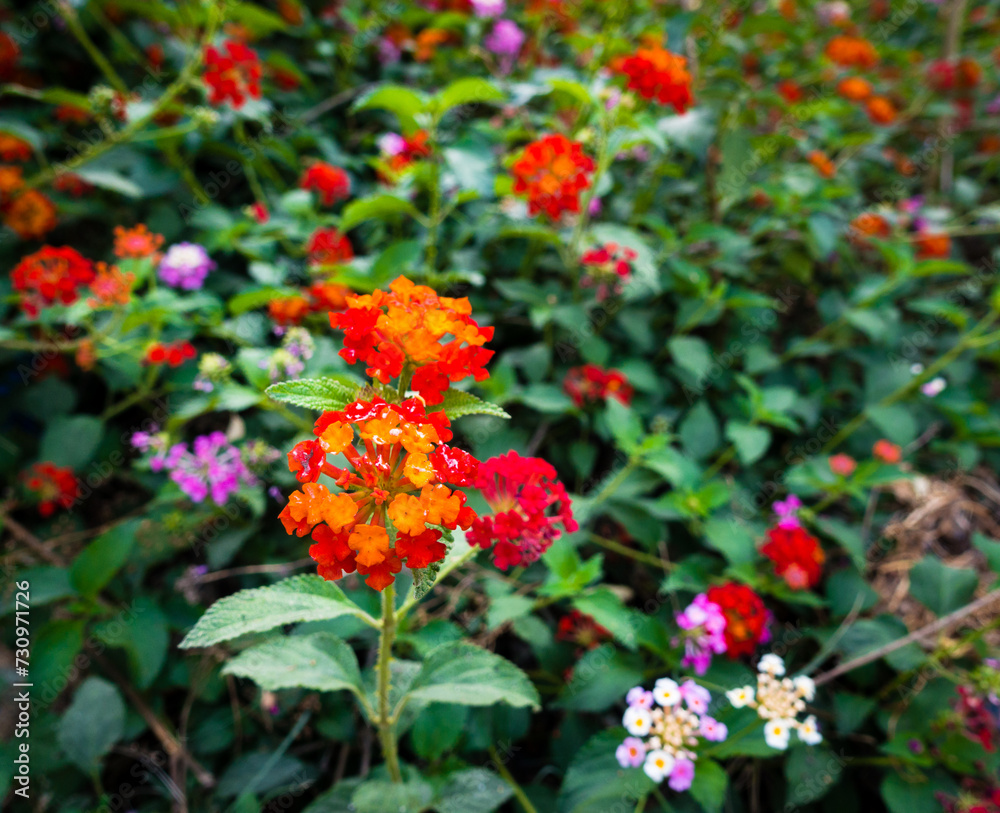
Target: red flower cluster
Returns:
[789, 91]
[932, 245]
[320, 297]
[327, 246]
[331, 182]
[746, 617]
[946, 76]
[406, 150]
[887, 451]
[607, 267]
[173, 354]
[52, 486]
[551, 173]
[655, 73]
[843, 465]
[137, 243]
[13, 148]
[521, 491]
[406, 329]
[797, 556]
[402, 474]
[51, 275]
[582, 630]
[591, 383]
[232, 74]
[978, 723]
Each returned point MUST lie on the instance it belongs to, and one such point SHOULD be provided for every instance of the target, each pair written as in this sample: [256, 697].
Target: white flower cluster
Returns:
[779, 701]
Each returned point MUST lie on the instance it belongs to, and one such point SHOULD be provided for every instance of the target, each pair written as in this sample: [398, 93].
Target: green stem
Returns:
[616, 481]
[68, 13]
[386, 732]
[624, 550]
[507, 777]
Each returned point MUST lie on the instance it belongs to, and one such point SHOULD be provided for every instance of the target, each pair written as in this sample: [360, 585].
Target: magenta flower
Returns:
[682, 775]
[213, 468]
[786, 511]
[704, 626]
[697, 697]
[185, 266]
[505, 40]
[489, 8]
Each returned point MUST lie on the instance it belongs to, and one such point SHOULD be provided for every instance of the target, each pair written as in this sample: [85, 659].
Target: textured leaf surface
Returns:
[320, 661]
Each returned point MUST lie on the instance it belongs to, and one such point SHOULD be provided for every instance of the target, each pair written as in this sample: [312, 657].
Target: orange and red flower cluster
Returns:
[591, 383]
[330, 182]
[406, 329]
[797, 555]
[551, 173]
[852, 52]
[52, 486]
[320, 297]
[529, 504]
[51, 275]
[232, 74]
[402, 474]
[655, 73]
[746, 617]
[137, 243]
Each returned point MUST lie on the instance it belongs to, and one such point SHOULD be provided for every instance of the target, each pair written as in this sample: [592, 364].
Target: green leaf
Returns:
[940, 588]
[692, 354]
[457, 404]
[324, 394]
[98, 563]
[732, 539]
[600, 679]
[475, 790]
[259, 20]
[53, 651]
[300, 598]
[990, 549]
[437, 729]
[596, 783]
[699, 431]
[112, 181]
[320, 661]
[405, 103]
[383, 796]
[141, 630]
[257, 298]
[92, 724]
[72, 441]
[751, 442]
[378, 207]
[912, 794]
[709, 785]
[811, 773]
[470, 90]
[472, 676]
[608, 610]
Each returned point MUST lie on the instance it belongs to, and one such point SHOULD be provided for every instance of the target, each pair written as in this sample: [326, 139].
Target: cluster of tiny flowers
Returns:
[797, 555]
[657, 74]
[401, 473]
[212, 369]
[704, 633]
[778, 701]
[591, 384]
[666, 727]
[185, 266]
[607, 268]
[289, 360]
[409, 327]
[51, 487]
[329, 182]
[210, 467]
[529, 505]
[232, 73]
[551, 173]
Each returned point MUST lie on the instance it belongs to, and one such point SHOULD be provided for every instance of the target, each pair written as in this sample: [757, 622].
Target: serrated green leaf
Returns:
[457, 404]
[596, 783]
[475, 790]
[94, 722]
[300, 598]
[320, 661]
[472, 676]
[940, 588]
[98, 563]
[324, 394]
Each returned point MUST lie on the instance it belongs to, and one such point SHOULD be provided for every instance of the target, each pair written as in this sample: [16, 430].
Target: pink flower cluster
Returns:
[704, 626]
[665, 726]
[211, 467]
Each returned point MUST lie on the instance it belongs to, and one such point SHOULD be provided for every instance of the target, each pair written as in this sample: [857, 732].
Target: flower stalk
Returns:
[384, 721]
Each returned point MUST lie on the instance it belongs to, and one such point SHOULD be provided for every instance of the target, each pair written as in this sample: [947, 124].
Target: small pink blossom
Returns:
[682, 775]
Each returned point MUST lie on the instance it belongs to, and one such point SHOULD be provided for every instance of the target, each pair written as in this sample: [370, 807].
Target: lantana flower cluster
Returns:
[657, 74]
[779, 701]
[797, 555]
[728, 619]
[551, 173]
[51, 487]
[410, 328]
[403, 473]
[591, 383]
[666, 727]
[607, 268]
[529, 505]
